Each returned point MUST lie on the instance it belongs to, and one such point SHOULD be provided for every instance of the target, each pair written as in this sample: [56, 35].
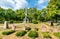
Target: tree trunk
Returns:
[51, 23]
[56, 20]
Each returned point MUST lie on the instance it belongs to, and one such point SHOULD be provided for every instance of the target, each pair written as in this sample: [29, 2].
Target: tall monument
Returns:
[26, 20]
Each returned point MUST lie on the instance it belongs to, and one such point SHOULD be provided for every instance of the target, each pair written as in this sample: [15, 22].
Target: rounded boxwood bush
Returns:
[46, 35]
[21, 33]
[33, 34]
[57, 34]
[28, 28]
[8, 32]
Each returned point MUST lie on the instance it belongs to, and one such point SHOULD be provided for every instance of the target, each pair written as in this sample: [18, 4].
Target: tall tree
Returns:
[53, 8]
[20, 14]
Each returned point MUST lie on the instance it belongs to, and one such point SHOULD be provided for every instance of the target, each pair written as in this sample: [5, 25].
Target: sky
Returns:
[19, 4]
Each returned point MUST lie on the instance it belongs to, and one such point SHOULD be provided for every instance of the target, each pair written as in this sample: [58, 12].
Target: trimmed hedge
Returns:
[46, 35]
[11, 21]
[33, 34]
[28, 28]
[57, 34]
[21, 33]
[8, 32]
[35, 22]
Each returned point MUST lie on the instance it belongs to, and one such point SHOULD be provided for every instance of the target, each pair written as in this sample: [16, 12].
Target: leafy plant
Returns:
[8, 32]
[33, 34]
[21, 33]
[57, 34]
[28, 28]
[35, 22]
[46, 35]
[11, 21]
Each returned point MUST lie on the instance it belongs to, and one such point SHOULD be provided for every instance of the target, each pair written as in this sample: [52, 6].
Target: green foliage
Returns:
[53, 10]
[8, 32]
[57, 34]
[28, 28]
[51, 13]
[1, 22]
[35, 22]
[46, 35]
[20, 14]
[33, 34]
[21, 33]
[11, 21]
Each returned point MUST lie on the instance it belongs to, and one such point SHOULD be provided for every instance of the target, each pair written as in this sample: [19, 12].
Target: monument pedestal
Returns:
[26, 21]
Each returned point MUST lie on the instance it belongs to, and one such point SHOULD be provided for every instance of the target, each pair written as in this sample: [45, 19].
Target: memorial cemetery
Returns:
[30, 22]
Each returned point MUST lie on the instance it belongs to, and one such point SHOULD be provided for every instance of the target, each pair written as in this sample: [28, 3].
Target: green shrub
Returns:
[17, 21]
[8, 32]
[21, 33]
[11, 21]
[33, 34]
[1, 22]
[35, 22]
[46, 35]
[57, 34]
[28, 28]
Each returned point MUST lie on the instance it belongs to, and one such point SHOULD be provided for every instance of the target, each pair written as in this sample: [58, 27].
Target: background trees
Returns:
[53, 9]
[52, 12]
[20, 14]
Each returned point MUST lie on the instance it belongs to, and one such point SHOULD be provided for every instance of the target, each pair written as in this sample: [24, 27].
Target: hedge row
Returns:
[21, 33]
[32, 33]
[8, 32]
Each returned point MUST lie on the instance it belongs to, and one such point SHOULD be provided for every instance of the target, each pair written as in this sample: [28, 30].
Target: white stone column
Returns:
[5, 25]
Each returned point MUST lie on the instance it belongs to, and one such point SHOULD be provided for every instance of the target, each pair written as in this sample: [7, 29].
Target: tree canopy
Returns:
[51, 12]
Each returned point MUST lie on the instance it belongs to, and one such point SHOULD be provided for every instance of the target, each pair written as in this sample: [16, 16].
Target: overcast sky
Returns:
[18, 4]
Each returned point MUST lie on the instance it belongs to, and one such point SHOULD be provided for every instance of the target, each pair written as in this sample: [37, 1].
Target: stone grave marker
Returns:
[23, 27]
[55, 29]
[44, 29]
[13, 26]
